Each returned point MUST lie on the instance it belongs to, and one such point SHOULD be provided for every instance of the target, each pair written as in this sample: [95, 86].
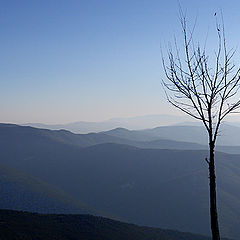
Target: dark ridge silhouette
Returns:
[27, 226]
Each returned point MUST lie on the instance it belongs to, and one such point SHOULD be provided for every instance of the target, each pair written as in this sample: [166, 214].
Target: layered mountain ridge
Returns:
[164, 188]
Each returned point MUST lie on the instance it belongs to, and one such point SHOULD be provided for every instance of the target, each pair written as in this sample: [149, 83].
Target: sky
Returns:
[70, 60]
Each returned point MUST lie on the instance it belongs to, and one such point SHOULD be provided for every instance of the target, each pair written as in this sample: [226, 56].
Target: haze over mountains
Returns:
[134, 123]
[165, 137]
[119, 173]
[229, 135]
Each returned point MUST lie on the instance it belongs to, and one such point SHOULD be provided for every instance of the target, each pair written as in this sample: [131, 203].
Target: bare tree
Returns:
[204, 89]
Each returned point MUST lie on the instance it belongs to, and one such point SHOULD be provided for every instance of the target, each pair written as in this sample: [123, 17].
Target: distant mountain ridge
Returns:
[157, 138]
[229, 135]
[132, 123]
[136, 123]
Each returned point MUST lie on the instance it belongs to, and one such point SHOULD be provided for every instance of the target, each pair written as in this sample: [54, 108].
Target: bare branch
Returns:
[204, 91]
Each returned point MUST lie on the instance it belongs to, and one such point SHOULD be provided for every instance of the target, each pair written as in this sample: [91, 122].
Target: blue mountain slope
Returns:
[21, 191]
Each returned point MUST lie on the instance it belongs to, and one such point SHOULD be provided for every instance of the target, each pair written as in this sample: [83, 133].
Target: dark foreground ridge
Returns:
[33, 226]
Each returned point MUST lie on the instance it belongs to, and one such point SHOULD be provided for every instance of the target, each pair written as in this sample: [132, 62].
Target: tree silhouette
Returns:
[204, 89]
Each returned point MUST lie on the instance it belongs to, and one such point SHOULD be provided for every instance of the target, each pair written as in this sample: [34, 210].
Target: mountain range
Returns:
[229, 135]
[174, 137]
[164, 188]
[135, 123]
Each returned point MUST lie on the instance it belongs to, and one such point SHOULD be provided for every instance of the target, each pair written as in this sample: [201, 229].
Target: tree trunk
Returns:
[213, 197]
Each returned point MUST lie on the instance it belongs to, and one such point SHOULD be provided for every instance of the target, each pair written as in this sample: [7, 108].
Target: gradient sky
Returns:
[64, 61]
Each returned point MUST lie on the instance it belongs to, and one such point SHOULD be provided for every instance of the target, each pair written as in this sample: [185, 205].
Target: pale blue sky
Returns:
[64, 61]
